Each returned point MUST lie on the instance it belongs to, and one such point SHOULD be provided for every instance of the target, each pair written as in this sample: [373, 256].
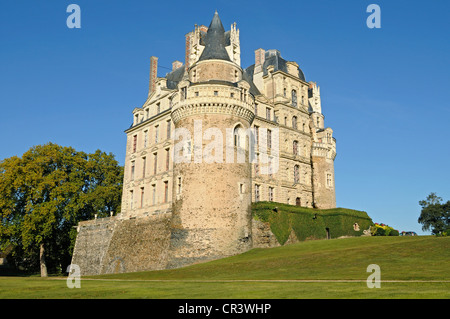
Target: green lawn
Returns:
[411, 267]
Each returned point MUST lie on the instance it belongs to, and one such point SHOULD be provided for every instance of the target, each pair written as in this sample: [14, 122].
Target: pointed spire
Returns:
[215, 41]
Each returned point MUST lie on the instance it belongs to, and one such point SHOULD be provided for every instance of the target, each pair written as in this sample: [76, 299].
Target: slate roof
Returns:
[215, 41]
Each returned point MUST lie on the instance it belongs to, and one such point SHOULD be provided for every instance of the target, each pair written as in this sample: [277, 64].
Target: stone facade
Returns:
[270, 114]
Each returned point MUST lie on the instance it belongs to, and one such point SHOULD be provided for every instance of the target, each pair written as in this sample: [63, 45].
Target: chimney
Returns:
[259, 57]
[176, 65]
[153, 74]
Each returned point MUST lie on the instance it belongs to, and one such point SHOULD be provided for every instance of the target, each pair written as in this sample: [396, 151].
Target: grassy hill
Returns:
[411, 267]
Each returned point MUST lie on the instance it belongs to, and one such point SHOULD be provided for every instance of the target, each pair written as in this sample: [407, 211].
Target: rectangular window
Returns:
[167, 159]
[158, 108]
[133, 166]
[183, 93]
[156, 133]
[154, 194]
[155, 163]
[329, 180]
[144, 164]
[256, 193]
[270, 194]
[169, 123]
[216, 93]
[134, 143]
[131, 199]
[145, 138]
[142, 197]
[269, 139]
[166, 191]
[268, 114]
[257, 165]
[241, 188]
[256, 135]
[256, 109]
[147, 114]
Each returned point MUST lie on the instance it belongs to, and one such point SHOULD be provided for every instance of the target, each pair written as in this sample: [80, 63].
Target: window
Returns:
[267, 113]
[241, 188]
[303, 99]
[158, 108]
[303, 127]
[256, 193]
[294, 122]
[156, 133]
[270, 166]
[284, 92]
[256, 109]
[196, 93]
[298, 202]
[318, 121]
[169, 124]
[270, 194]
[147, 114]
[296, 174]
[256, 135]
[237, 135]
[295, 147]
[183, 93]
[257, 165]
[131, 199]
[269, 139]
[216, 93]
[167, 159]
[329, 180]
[134, 143]
[155, 163]
[132, 170]
[153, 194]
[144, 164]
[294, 98]
[179, 186]
[232, 95]
[166, 191]
[142, 197]
[136, 119]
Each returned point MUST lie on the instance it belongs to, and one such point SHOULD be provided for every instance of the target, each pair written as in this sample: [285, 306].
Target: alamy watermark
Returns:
[74, 277]
[255, 145]
[374, 280]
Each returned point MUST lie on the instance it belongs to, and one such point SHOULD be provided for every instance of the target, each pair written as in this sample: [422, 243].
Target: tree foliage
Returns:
[45, 193]
[435, 215]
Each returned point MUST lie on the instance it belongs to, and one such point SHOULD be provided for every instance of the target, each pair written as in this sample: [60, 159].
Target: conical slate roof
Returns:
[215, 41]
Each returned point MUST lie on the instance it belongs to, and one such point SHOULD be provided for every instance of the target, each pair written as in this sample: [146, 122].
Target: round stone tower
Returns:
[212, 113]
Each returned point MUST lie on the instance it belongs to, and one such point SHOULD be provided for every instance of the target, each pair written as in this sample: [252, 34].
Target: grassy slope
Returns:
[400, 258]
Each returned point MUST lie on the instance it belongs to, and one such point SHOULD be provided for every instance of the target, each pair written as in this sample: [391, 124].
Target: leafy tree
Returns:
[45, 193]
[435, 215]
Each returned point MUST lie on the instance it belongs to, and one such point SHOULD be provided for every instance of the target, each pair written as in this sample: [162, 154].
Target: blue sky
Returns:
[384, 91]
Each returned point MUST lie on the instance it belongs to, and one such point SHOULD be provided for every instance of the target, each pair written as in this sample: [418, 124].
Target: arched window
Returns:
[238, 133]
[294, 122]
[294, 98]
[295, 147]
[296, 174]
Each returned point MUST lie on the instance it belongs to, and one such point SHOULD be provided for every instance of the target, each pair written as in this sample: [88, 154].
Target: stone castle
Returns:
[179, 212]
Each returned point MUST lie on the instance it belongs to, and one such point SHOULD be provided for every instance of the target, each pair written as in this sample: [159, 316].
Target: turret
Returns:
[212, 189]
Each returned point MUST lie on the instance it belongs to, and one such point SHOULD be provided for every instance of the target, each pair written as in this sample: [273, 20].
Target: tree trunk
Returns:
[42, 261]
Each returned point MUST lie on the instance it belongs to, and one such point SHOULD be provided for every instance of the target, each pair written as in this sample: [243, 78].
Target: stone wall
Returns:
[114, 245]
